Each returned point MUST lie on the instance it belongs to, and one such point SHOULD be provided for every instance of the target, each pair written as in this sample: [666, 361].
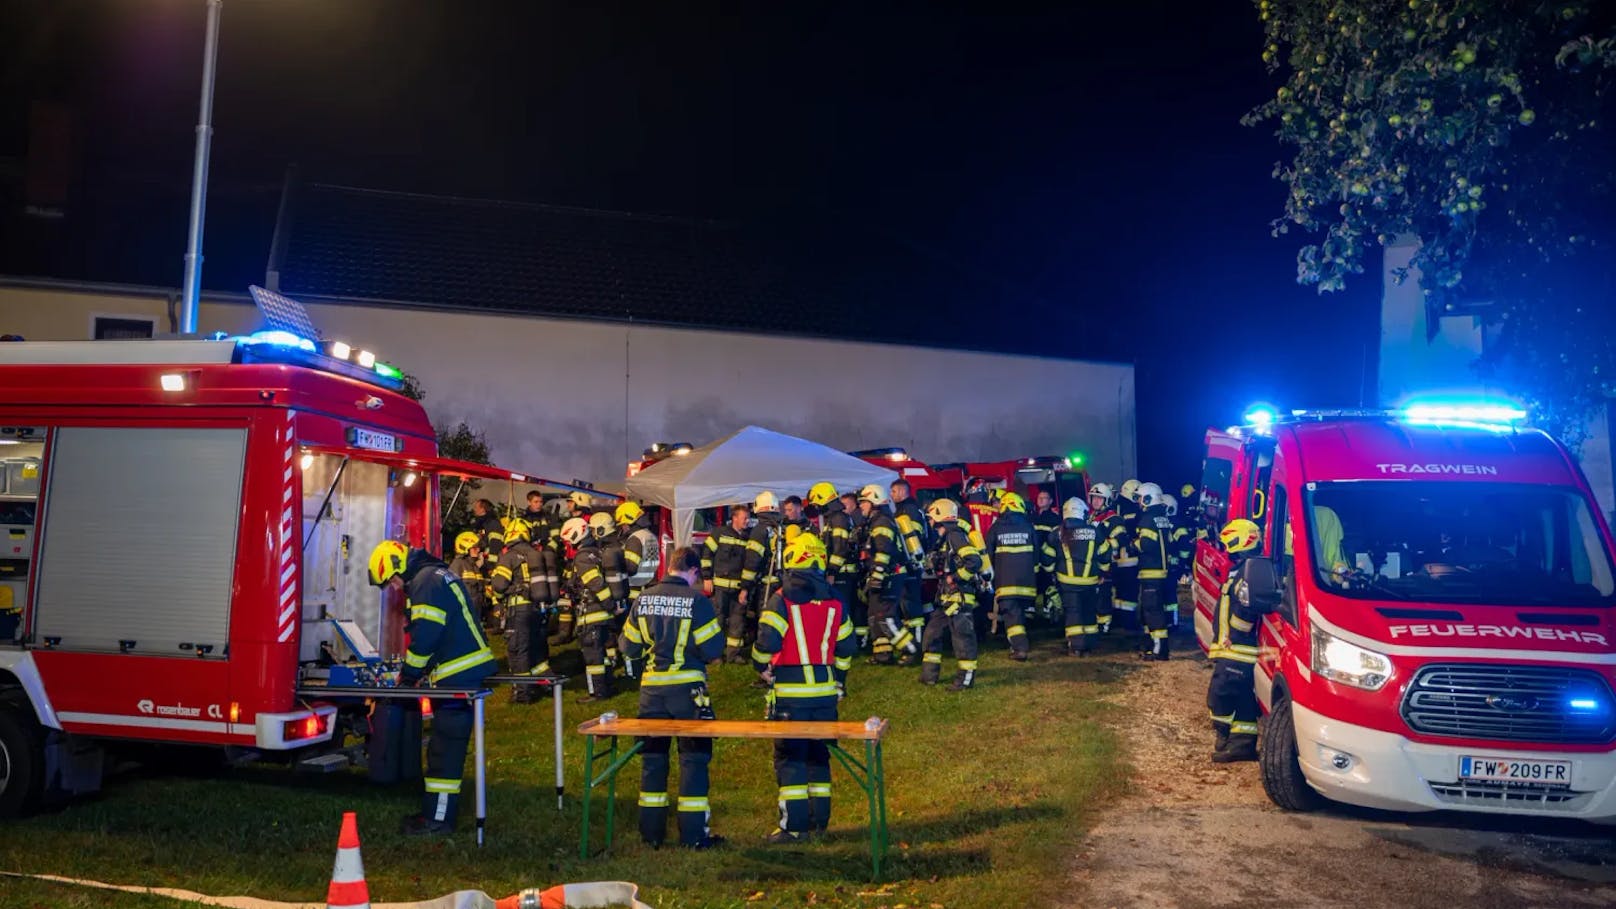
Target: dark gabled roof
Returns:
[361, 244]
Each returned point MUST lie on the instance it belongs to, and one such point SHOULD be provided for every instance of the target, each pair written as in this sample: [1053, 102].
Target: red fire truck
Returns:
[188, 524]
[1442, 590]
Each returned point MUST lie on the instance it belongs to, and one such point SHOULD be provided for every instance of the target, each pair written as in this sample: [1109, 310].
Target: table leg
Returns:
[589, 791]
[482, 767]
[879, 784]
[561, 780]
[611, 795]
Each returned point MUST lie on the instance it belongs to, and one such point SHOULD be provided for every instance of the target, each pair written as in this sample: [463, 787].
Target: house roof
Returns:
[363, 244]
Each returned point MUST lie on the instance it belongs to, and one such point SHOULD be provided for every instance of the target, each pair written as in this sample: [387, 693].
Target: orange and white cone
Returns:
[348, 889]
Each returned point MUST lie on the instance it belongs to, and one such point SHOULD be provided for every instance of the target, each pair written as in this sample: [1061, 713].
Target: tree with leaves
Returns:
[1481, 129]
[461, 443]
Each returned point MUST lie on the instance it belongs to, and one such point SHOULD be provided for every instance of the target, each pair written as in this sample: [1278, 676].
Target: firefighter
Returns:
[544, 532]
[468, 567]
[518, 579]
[959, 576]
[915, 538]
[581, 504]
[669, 637]
[1125, 564]
[642, 555]
[887, 563]
[446, 649]
[758, 572]
[603, 527]
[1048, 520]
[722, 558]
[486, 524]
[792, 515]
[1231, 698]
[1079, 555]
[857, 566]
[1183, 555]
[1154, 542]
[592, 598]
[1104, 517]
[1012, 546]
[841, 556]
[804, 648]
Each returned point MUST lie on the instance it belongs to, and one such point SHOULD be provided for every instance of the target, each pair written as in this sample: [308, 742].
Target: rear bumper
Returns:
[1386, 770]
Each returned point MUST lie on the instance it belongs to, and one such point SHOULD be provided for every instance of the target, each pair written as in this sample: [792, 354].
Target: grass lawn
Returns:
[987, 793]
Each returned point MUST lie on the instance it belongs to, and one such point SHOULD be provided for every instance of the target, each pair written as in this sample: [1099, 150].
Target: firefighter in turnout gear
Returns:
[1079, 555]
[959, 576]
[1125, 566]
[489, 528]
[916, 539]
[1230, 697]
[1154, 543]
[594, 606]
[544, 532]
[760, 573]
[642, 555]
[669, 637]
[603, 527]
[804, 648]
[1047, 518]
[1105, 518]
[446, 649]
[1012, 546]
[841, 553]
[722, 558]
[858, 563]
[519, 581]
[887, 561]
[468, 567]
[1182, 551]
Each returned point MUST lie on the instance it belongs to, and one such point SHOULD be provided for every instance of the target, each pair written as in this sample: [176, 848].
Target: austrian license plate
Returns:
[374, 441]
[1510, 770]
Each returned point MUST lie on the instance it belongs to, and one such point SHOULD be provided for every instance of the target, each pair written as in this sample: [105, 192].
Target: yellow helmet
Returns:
[575, 531]
[628, 513]
[943, 510]
[1129, 489]
[464, 541]
[517, 530]
[875, 494]
[1188, 491]
[601, 525]
[805, 551]
[581, 499]
[1010, 501]
[766, 501]
[1240, 535]
[821, 494]
[793, 531]
[387, 561]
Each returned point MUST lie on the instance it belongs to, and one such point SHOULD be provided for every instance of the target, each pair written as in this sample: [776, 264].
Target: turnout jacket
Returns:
[723, 556]
[959, 566]
[592, 594]
[805, 640]
[915, 534]
[1155, 543]
[1079, 553]
[470, 573]
[1012, 547]
[447, 646]
[490, 534]
[675, 630]
[519, 576]
[641, 557]
[836, 532]
[1113, 528]
[887, 559]
[1235, 625]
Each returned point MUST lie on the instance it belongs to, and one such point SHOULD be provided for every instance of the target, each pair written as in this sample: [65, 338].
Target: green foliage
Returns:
[1478, 127]
[461, 443]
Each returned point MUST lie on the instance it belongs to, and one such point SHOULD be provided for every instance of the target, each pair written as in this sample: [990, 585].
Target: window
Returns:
[22, 450]
[113, 328]
[1459, 542]
[1215, 482]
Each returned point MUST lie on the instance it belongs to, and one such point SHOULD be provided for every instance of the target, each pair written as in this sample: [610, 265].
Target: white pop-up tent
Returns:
[736, 468]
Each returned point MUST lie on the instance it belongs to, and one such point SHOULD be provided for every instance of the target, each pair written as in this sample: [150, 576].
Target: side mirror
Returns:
[1261, 584]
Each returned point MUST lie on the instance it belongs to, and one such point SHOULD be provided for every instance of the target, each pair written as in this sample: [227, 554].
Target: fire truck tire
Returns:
[1282, 775]
[22, 760]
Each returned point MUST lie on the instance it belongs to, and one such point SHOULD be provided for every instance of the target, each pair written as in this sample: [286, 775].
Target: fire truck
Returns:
[973, 482]
[1438, 595]
[187, 526]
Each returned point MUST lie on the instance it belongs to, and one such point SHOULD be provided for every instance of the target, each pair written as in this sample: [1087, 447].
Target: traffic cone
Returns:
[348, 888]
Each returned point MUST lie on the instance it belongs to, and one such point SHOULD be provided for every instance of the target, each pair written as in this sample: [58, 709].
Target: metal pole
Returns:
[482, 764]
[199, 178]
[561, 779]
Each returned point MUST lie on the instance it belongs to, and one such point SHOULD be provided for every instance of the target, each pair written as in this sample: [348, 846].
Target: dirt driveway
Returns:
[1193, 834]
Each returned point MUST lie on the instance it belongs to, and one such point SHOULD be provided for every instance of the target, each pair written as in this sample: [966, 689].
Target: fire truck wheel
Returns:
[1281, 772]
[22, 760]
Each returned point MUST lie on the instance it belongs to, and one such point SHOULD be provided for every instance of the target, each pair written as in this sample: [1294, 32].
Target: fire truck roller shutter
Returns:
[139, 539]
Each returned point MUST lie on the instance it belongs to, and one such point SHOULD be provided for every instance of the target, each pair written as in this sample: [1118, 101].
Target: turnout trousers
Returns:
[912, 608]
[526, 645]
[1080, 605]
[1153, 594]
[960, 629]
[802, 768]
[1125, 596]
[886, 631]
[1013, 612]
[732, 617]
[446, 760]
[1231, 699]
[848, 593]
[673, 702]
[594, 640]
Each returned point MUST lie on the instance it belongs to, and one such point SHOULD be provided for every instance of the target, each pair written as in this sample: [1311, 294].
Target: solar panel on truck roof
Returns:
[282, 313]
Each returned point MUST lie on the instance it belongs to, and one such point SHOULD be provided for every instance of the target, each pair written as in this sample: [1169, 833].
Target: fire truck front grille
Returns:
[1474, 793]
[1546, 704]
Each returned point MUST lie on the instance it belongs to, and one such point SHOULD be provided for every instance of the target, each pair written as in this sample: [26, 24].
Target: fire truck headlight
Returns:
[1349, 664]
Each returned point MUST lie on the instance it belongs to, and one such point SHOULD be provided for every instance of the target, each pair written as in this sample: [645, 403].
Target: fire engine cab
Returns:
[1441, 610]
[186, 529]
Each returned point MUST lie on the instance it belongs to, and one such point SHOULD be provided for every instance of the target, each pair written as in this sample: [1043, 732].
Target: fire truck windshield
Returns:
[1459, 542]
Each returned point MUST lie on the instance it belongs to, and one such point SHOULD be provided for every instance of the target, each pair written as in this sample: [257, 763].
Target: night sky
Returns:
[1091, 156]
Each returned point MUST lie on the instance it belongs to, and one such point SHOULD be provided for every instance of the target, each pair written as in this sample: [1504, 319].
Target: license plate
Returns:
[374, 441]
[1510, 770]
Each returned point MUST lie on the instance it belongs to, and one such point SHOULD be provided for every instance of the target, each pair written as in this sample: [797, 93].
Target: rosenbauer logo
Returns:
[146, 706]
[1473, 470]
[1496, 631]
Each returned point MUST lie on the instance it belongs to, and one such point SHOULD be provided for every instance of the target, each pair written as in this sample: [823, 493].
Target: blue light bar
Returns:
[1261, 416]
[280, 339]
[1464, 412]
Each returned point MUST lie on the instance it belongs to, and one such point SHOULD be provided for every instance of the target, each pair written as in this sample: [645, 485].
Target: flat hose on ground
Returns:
[592, 895]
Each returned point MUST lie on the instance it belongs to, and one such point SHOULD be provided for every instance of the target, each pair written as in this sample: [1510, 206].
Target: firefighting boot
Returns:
[963, 680]
[931, 669]
[1237, 749]
[1220, 733]
[568, 628]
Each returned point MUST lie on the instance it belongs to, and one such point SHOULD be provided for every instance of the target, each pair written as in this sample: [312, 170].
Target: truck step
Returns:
[324, 763]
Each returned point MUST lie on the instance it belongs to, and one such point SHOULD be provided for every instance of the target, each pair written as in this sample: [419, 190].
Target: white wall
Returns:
[578, 399]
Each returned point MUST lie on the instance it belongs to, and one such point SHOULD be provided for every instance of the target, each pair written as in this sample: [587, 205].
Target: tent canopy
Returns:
[737, 467]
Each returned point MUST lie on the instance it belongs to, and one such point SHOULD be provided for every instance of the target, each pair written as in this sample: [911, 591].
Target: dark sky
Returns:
[1091, 156]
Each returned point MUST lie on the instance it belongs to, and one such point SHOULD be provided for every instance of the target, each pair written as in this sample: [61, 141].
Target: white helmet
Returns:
[1103, 490]
[1075, 509]
[1130, 490]
[602, 525]
[1171, 503]
[875, 494]
[1148, 494]
[766, 501]
[575, 531]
